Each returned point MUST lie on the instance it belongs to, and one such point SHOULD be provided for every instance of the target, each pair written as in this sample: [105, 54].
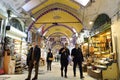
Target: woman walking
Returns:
[49, 59]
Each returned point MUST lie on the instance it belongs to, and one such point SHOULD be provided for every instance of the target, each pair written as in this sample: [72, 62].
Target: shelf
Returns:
[94, 74]
[99, 47]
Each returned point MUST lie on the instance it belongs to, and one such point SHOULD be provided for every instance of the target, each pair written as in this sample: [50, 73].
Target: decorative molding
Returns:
[52, 9]
[57, 26]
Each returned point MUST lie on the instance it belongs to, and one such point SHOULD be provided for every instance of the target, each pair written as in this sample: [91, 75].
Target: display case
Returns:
[94, 73]
[24, 53]
[102, 42]
[102, 60]
[17, 46]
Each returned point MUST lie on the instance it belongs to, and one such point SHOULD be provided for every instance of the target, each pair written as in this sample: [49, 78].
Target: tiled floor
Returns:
[48, 75]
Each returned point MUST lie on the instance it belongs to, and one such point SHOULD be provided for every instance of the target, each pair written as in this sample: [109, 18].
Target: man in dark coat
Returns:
[64, 59]
[49, 59]
[77, 56]
[34, 58]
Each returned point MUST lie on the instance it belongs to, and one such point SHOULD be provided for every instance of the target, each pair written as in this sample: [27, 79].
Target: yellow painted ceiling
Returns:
[56, 47]
[58, 16]
[62, 29]
[58, 35]
[50, 2]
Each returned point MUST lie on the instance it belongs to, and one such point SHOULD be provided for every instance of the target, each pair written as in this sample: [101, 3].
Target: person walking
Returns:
[64, 59]
[34, 58]
[49, 59]
[77, 56]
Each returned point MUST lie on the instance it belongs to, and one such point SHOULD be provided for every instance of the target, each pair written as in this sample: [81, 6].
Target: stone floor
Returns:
[47, 75]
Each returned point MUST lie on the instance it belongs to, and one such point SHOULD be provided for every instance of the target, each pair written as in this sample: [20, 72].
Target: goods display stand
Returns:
[18, 65]
[9, 64]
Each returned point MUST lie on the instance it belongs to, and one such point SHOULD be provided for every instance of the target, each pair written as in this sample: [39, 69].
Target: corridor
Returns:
[48, 75]
[83, 31]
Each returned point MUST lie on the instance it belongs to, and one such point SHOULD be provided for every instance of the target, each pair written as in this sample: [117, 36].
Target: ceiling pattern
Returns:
[65, 12]
[63, 18]
[64, 30]
[51, 2]
[58, 5]
[58, 26]
[58, 34]
[56, 12]
[90, 12]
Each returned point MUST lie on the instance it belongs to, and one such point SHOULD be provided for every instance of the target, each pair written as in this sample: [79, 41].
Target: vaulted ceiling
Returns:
[58, 16]
[65, 16]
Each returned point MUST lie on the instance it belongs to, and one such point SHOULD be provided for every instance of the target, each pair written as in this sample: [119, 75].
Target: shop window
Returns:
[101, 38]
[16, 23]
[101, 20]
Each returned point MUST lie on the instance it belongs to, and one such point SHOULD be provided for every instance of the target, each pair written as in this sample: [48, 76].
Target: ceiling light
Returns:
[76, 34]
[107, 33]
[45, 33]
[91, 22]
[39, 30]
[33, 18]
[83, 2]
[55, 23]
[74, 30]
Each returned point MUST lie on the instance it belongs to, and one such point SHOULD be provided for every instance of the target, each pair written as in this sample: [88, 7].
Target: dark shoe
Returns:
[75, 75]
[82, 77]
[61, 74]
[34, 79]
[65, 76]
[27, 79]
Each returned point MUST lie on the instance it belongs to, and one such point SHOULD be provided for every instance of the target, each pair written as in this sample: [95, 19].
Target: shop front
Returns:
[13, 52]
[15, 48]
[2, 21]
[102, 61]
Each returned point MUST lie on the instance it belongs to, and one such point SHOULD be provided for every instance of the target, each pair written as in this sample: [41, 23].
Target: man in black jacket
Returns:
[34, 58]
[77, 56]
[64, 59]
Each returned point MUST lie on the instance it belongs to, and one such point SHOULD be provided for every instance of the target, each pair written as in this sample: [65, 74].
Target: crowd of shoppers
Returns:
[34, 56]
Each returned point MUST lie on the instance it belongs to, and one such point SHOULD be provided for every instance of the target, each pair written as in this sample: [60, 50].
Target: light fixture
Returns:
[9, 13]
[41, 28]
[45, 33]
[55, 23]
[76, 34]
[13, 31]
[13, 36]
[33, 18]
[83, 2]
[74, 30]
[91, 22]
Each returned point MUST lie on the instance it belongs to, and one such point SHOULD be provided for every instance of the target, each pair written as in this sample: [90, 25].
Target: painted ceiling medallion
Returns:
[56, 17]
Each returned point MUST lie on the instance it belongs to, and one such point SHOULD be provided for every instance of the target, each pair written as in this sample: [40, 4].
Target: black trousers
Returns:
[80, 68]
[64, 67]
[30, 67]
[49, 65]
